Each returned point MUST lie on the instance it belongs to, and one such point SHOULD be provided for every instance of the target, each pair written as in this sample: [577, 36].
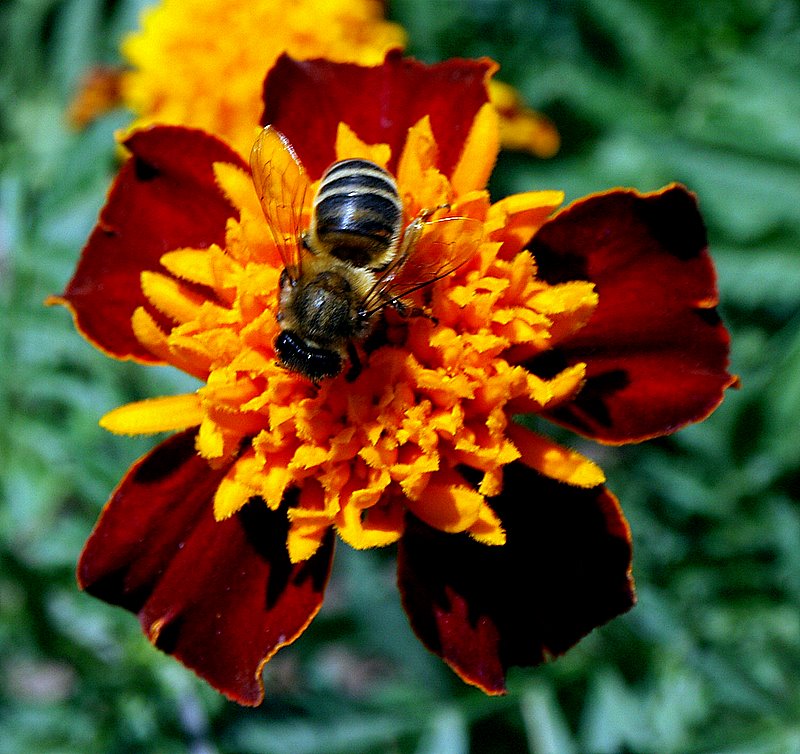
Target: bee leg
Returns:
[355, 363]
[406, 311]
[426, 212]
[414, 231]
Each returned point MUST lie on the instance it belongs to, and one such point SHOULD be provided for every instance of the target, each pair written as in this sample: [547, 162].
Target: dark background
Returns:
[643, 93]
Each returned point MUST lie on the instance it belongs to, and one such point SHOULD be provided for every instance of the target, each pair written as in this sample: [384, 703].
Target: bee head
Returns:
[301, 357]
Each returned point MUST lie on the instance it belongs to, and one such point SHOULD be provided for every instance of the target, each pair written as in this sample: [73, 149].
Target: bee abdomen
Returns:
[358, 213]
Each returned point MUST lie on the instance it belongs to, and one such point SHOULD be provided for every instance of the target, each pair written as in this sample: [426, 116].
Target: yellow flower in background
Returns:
[202, 63]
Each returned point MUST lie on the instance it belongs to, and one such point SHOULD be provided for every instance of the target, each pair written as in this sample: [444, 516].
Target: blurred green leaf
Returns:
[547, 730]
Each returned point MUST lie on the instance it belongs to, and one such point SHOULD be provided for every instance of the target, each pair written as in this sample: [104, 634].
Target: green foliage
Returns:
[644, 93]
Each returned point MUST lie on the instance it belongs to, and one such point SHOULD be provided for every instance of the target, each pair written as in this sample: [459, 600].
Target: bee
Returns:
[355, 255]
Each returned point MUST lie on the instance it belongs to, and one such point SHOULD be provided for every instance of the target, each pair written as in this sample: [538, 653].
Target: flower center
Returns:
[436, 393]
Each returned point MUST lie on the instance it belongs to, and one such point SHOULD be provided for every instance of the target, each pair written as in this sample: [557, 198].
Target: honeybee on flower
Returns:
[357, 256]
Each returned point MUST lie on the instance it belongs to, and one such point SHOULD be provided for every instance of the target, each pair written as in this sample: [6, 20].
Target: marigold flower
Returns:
[510, 548]
[202, 64]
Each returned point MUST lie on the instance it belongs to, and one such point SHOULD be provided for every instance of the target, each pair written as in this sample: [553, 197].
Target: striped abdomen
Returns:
[358, 215]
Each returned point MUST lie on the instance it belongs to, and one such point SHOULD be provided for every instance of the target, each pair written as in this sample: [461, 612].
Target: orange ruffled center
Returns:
[438, 394]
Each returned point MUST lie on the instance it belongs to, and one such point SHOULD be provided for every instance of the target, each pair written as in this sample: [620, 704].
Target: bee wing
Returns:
[442, 247]
[281, 184]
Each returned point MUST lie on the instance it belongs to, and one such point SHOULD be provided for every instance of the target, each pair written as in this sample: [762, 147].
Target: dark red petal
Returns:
[306, 100]
[163, 198]
[222, 597]
[656, 350]
[564, 570]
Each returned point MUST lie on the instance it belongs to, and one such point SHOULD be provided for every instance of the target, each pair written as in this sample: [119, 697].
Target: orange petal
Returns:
[304, 539]
[480, 153]
[448, 507]
[349, 145]
[553, 460]
[488, 528]
[170, 297]
[374, 527]
[516, 218]
[154, 415]
[520, 127]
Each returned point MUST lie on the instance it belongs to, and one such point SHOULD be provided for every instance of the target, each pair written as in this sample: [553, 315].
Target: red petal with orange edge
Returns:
[306, 100]
[656, 351]
[564, 570]
[221, 597]
[163, 198]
